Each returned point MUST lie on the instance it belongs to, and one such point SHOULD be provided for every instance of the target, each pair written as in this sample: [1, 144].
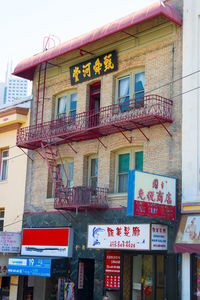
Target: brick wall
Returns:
[158, 51]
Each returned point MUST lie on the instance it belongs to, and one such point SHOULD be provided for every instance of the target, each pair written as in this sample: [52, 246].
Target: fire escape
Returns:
[94, 124]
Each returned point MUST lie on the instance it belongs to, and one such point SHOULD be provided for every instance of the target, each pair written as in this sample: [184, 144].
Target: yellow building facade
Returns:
[13, 163]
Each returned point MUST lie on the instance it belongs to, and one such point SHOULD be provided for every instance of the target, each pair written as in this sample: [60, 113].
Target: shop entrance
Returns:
[143, 277]
[86, 279]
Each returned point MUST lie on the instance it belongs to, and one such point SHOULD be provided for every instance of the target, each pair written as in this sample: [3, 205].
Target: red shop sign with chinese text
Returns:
[112, 263]
[151, 195]
[112, 281]
[112, 267]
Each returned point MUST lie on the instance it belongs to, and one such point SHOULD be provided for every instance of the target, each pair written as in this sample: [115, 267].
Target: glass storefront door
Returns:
[147, 273]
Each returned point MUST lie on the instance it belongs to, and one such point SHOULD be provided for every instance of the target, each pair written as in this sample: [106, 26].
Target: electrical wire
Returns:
[159, 87]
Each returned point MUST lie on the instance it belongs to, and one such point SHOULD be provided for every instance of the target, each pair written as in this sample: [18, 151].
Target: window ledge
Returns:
[117, 195]
[3, 181]
[49, 200]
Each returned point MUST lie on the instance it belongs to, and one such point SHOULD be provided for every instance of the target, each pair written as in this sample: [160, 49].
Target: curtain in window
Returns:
[62, 106]
[4, 169]
[123, 172]
[94, 172]
[124, 90]
[4, 165]
[73, 101]
[139, 89]
[70, 174]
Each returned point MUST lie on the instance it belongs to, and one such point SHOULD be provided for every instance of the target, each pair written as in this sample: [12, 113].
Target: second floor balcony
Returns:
[81, 198]
[132, 114]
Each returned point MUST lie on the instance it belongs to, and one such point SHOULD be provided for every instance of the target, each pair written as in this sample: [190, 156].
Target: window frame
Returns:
[131, 152]
[66, 162]
[90, 158]
[2, 159]
[132, 93]
[68, 111]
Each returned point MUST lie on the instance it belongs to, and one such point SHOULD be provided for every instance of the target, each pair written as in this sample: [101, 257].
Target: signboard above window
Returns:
[93, 68]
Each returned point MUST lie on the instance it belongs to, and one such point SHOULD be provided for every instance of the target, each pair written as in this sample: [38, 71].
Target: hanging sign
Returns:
[122, 236]
[151, 195]
[93, 68]
[47, 242]
[10, 242]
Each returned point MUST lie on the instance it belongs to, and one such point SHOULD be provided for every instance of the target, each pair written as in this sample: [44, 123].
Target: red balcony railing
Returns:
[81, 197]
[136, 113]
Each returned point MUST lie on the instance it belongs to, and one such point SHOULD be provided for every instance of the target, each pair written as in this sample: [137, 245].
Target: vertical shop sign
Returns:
[151, 195]
[80, 275]
[112, 270]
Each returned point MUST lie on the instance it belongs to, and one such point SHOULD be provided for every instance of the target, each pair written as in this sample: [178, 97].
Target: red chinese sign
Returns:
[112, 267]
[112, 281]
[152, 195]
[112, 263]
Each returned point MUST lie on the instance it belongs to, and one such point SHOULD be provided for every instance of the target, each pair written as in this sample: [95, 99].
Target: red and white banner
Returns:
[112, 263]
[121, 236]
[151, 195]
[47, 242]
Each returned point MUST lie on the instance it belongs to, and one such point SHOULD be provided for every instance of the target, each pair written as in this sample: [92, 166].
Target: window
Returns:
[69, 169]
[129, 87]
[93, 172]
[4, 165]
[127, 160]
[66, 105]
[1, 219]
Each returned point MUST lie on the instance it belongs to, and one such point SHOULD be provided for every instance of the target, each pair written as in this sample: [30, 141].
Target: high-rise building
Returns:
[16, 88]
[2, 92]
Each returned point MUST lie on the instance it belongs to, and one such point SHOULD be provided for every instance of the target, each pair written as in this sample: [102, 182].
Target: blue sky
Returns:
[25, 23]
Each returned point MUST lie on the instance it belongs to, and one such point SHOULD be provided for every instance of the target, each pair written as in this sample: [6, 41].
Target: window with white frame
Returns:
[66, 171]
[126, 159]
[130, 86]
[66, 105]
[93, 171]
[4, 164]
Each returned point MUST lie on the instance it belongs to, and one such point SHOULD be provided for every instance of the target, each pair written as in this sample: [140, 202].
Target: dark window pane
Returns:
[139, 161]
[139, 100]
[124, 163]
[73, 101]
[94, 167]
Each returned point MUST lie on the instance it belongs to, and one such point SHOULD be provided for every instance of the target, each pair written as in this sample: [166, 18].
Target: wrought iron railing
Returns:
[81, 197]
[146, 108]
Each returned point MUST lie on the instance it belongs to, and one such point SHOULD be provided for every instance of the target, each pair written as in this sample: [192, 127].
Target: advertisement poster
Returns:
[112, 270]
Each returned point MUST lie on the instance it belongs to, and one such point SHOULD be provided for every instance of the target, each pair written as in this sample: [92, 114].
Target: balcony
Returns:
[81, 198]
[132, 114]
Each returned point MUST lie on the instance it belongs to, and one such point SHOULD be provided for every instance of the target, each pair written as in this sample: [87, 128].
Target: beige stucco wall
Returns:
[13, 189]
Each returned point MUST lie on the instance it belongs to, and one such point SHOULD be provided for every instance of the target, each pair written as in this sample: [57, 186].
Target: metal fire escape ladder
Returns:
[42, 86]
[52, 164]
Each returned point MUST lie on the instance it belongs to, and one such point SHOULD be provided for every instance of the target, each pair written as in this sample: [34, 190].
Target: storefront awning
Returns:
[188, 235]
[26, 68]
